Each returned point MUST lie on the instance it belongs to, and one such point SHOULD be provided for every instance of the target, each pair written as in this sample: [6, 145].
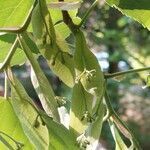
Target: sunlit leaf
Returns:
[14, 13]
[56, 13]
[11, 126]
[60, 137]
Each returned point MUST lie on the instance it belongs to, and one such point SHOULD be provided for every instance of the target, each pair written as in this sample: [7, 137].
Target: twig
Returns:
[107, 76]
[68, 20]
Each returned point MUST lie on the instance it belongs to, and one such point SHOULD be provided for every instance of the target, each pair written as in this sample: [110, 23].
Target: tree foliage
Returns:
[29, 29]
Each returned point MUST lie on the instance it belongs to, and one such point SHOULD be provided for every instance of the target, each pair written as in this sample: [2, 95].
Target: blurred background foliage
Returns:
[119, 43]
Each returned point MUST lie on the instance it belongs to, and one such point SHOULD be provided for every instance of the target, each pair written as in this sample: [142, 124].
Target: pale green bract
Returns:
[14, 13]
[41, 84]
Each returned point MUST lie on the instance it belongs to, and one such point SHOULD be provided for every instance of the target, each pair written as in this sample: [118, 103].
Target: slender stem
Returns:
[87, 13]
[9, 56]
[126, 72]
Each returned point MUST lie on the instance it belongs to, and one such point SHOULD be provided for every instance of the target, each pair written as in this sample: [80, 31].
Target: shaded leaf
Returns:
[27, 114]
[41, 84]
[94, 129]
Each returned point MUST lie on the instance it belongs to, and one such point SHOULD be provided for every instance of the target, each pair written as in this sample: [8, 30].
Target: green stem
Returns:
[107, 76]
[87, 13]
[9, 56]
[120, 123]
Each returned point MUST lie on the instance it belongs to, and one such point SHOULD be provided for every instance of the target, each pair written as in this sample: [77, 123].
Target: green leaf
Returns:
[94, 129]
[45, 92]
[41, 83]
[52, 48]
[56, 13]
[62, 65]
[138, 10]
[42, 25]
[88, 70]
[80, 104]
[11, 126]
[60, 137]
[6, 44]
[120, 145]
[14, 13]
[27, 114]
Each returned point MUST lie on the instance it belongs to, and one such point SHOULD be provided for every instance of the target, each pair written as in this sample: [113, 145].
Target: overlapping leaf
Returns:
[88, 70]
